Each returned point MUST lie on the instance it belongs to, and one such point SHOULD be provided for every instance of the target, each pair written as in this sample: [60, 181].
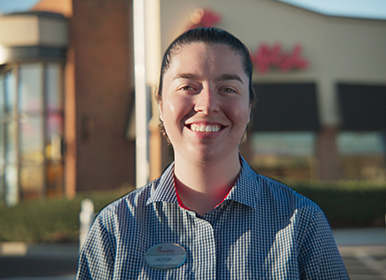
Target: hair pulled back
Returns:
[208, 36]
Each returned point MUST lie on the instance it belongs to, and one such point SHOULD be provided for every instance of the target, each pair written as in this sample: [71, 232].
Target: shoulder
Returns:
[127, 205]
[275, 202]
[287, 204]
[279, 201]
[269, 192]
[283, 193]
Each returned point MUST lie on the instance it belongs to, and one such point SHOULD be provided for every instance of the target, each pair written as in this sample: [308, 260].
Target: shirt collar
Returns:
[244, 190]
[163, 188]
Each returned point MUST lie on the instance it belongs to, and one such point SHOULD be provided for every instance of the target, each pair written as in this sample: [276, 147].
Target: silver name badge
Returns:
[165, 256]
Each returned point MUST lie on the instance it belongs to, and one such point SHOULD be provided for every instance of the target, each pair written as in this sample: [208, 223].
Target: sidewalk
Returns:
[360, 236]
[63, 250]
[363, 251]
[21, 261]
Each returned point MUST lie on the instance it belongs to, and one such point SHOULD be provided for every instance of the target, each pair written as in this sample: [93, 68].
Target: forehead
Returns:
[205, 57]
[202, 47]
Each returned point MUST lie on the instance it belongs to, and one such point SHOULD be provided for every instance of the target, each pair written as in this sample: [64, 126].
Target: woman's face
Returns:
[205, 104]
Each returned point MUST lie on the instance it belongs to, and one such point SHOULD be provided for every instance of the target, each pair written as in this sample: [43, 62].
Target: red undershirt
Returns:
[181, 204]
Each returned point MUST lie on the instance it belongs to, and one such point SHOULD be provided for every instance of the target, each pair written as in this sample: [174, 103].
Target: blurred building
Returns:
[67, 93]
[66, 96]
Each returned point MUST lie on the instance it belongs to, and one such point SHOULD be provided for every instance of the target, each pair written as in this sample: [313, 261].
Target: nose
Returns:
[207, 102]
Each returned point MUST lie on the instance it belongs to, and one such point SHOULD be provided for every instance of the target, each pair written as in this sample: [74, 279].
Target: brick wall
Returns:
[101, 36]
[99, 87]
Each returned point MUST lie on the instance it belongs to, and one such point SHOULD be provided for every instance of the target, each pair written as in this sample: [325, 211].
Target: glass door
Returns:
[31, 120]
[54, 128]
[31, 131]
[9, 129]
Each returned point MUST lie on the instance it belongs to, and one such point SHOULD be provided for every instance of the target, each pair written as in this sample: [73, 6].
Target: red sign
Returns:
[268, 58]
[203, 18]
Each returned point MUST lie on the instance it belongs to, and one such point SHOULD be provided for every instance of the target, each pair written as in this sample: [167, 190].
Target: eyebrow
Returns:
[222, 77]
[227, 77]
[185, 76]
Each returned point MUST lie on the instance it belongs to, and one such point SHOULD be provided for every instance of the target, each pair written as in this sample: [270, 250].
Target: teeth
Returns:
[205, 128]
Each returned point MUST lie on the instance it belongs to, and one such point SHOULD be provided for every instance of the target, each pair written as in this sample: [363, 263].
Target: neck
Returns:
[203, 186]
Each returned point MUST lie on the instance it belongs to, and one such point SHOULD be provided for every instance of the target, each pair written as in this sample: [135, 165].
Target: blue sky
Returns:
[9, 6]
[352, 8]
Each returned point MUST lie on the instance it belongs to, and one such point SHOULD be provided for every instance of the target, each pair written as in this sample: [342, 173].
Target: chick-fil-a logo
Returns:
[267, 58]
[164, 251]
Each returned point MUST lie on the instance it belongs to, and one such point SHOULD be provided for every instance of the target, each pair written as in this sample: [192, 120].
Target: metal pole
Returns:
[142, 99]
[86, 217]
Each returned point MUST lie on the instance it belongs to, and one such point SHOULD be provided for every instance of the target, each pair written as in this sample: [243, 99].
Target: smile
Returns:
[205, 128]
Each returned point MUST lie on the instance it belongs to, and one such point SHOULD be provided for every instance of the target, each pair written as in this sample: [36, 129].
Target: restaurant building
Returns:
[67, 92]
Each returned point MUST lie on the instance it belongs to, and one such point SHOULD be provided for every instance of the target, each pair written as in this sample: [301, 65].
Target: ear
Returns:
[249, 112]
[160, 110]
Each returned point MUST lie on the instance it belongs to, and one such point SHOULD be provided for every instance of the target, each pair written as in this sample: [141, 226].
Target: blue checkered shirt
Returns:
[262, 230]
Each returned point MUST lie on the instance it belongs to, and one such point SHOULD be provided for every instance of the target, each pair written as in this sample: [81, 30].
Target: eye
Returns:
[186, 88]
[228, 90]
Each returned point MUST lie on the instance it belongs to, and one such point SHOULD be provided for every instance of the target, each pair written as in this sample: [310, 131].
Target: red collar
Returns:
[182, 205]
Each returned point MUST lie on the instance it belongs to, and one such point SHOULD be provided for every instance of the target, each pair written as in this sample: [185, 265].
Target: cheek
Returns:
[169, 112]
[171, 115]
[239, 112]
[176, 108]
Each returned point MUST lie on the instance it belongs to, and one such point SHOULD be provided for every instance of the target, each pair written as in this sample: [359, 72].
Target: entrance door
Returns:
[31, 163]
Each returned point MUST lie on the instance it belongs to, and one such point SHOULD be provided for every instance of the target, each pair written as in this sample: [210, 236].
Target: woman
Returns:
[209, 216]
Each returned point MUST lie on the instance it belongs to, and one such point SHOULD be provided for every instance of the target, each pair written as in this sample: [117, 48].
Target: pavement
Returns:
[363, 251]
[21, 261]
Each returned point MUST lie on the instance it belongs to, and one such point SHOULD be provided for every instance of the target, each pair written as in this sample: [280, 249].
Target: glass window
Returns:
[2, 101]
[284, 155]
[31, 140]
[10, 123]
[54, 124]
[10, 93]
[10, 133]
[357, 143]
[362, 155]
[32, 179]
[32, 156]
[282, 143]
[10, 158]
[54, 120]
[30, 149]
[53, 85]
[2, 121]
[31, 88]
[11, 190]
[2, 139]
[10, 143]
[31, 137]
[54, 128]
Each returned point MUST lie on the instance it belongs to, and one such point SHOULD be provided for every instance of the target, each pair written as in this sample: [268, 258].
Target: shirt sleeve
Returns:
[96, 260]
[319, 256]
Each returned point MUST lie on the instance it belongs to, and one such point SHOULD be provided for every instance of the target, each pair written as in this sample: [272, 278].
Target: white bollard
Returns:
[86, 217]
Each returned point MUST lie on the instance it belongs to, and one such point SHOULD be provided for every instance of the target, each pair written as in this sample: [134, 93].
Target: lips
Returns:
[205, 128]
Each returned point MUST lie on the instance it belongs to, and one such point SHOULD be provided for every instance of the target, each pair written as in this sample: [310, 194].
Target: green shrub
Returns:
[348, 204]
[49, 220]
